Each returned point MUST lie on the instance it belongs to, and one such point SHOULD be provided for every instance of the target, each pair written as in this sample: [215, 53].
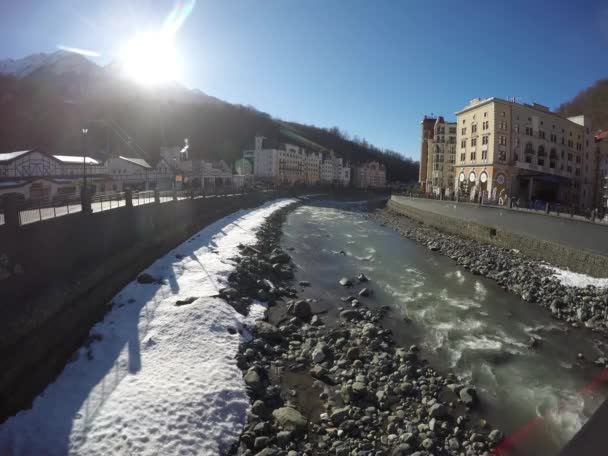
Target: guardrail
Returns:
[39, 209]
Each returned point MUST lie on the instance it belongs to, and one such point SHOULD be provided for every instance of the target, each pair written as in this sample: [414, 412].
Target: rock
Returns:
[365, 292]
[229, 293]
[339, 415]
[280, 258]
[146, 279]
[318, 372]
[362, 278]
[267, 331]
[495, 436]
[427, 444]
[359, 388]
[403, 449]
[350, 315]
[534, 342]
[302, 310]
[454, 444]
[290, 419]
[353, 353]
[316, 321]
[259, 408]
[370, 330]
[252, 380]
[283, 438]
[437, 411]
[260, 442]
[318, 355]
[304, 283]
[183, 302]
[468, 396]
[345, 282]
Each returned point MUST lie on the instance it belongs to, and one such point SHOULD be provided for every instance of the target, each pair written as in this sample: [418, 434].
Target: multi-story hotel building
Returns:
[438, 149]
[370, 174]
[526, 152]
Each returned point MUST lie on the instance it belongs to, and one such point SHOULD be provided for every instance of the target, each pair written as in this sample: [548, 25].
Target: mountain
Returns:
[57, 63]
[593, 102]
[46, 100]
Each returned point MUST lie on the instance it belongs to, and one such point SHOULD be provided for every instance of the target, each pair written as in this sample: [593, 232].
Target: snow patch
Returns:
[574, 279]
[157, 378]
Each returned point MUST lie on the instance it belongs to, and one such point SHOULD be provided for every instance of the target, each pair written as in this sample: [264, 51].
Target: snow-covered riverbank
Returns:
[155, 377]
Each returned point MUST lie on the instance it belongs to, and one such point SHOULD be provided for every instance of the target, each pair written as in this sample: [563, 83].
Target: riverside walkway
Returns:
[591, 237]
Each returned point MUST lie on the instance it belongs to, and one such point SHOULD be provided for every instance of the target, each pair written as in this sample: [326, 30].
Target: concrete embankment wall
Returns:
[557, 254]
[70, 267]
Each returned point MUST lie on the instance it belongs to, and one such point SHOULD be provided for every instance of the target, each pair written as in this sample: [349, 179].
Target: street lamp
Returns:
[83, 193]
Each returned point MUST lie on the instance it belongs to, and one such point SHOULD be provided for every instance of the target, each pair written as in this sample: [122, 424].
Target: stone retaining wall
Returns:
[557, 254]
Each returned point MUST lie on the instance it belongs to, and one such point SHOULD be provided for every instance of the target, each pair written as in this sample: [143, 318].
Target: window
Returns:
[474, 128]
[484, 154]
[541, 134]
[473, 156]
[503, 114]
[529, 131]
[463, 131]
[569, 156]
[541, 151]
[473, 142]
[502, 140]
[541, 162]
[577, 172]
[578, 159]
[486, 125]
[569, 168]
[553, 137]
[462, 157]
[484, 140]
[452, 130]
[516, 128]
[463, 143]
[570, 143]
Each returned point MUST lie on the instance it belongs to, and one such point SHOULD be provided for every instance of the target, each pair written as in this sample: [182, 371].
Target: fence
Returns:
[536, 207]
[38, 209]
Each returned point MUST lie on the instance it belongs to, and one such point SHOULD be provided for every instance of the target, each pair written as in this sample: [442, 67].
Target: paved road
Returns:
[572, 233]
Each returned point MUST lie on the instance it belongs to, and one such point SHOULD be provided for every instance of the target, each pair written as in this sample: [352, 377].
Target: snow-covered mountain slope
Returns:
[58, 63]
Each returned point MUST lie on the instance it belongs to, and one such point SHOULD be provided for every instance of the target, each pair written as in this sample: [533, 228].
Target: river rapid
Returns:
[462, 322]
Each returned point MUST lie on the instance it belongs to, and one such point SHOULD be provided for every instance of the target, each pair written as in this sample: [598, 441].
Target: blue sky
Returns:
[371, 67]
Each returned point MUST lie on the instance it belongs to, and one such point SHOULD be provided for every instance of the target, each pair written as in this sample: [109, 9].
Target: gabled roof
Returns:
[76, 159]
[9, 156]
[137, 161]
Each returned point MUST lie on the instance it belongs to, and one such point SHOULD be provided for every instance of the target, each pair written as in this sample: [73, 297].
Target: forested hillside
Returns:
[41, 113]
[593, 102]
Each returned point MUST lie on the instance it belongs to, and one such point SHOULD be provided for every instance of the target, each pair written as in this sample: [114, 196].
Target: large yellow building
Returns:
[437, 156]
[526, 152]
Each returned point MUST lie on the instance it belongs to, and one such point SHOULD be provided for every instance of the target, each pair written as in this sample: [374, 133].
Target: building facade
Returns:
[601, 142]
[427, 132]
[440, 157]
[370, 175]
[525, 152]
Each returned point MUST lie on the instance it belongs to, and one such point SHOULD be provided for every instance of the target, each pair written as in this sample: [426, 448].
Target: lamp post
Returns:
[83, 193]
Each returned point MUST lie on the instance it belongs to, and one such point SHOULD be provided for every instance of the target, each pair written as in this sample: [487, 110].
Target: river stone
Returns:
[353, 353]
[259, 408]
[283, 437]
[302, 310]
[290, 419]
[345, 282]
[365, 292]
[339, 415]
[318, 372]
[349, 315]
[437, 411]
[359, 388]
[403, 449]
[362, 278]
[267, 331]
[468, 395]
[318, 355]
[495, 436]
[260, 442]
[280, 258]
[252, 380]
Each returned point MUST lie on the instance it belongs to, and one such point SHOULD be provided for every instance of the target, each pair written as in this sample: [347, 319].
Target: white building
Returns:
[37, 174]
[335, 171]
[130, 173]
[370, 175]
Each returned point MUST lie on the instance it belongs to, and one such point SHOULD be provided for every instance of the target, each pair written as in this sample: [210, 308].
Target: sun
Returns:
[151, 59]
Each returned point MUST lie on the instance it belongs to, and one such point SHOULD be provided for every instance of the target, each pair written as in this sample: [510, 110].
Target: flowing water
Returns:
[462, 322]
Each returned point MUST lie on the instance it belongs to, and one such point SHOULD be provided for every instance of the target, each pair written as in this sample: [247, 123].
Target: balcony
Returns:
[541, 169]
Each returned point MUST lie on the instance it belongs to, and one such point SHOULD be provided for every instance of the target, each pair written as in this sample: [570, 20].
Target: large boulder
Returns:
[468, 396]
[267, 331]
[290, 419]
[302, 310]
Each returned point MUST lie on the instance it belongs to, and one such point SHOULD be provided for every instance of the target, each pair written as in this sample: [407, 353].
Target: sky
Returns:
[373, 68]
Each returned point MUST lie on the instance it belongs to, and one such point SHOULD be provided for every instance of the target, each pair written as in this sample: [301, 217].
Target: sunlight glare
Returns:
[151, 58]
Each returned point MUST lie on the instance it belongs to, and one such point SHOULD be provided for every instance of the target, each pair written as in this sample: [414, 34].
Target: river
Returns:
[462, 322]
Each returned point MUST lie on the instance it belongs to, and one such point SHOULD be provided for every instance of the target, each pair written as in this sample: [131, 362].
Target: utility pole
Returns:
[83, 194]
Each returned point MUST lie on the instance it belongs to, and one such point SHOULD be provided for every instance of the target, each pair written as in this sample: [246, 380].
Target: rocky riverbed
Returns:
[341, 386]
[533, 280]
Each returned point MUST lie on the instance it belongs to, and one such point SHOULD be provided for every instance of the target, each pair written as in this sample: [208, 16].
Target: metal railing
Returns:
[37, 209]
[106, 201]
[536, 207]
